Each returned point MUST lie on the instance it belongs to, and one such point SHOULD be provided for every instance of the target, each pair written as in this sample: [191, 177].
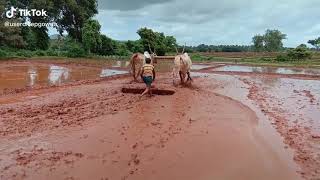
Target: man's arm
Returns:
[154, 74]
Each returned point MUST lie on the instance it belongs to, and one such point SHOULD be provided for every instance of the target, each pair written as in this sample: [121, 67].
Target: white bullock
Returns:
[182, 66]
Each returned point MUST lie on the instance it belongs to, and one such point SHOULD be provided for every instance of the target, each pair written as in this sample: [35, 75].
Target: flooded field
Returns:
[21, 75]
[268, 69]
[40, 74]
[291, 105]
[272, 121]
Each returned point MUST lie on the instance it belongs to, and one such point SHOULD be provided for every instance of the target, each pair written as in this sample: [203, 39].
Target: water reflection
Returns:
[20, 76]
[33, 75]
[117, 64]
[111, 72]
[120, 64]
[58, 74]
[199, 66]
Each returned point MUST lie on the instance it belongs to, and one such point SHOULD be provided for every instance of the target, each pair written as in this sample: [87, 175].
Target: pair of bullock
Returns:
[182, 65]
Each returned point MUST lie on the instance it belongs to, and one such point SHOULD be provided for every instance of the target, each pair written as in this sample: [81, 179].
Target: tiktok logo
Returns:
[11, 13]
[25, 12]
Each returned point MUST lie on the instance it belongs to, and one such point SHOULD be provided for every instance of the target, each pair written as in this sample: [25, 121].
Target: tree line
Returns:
[74, 18]
[271, 41]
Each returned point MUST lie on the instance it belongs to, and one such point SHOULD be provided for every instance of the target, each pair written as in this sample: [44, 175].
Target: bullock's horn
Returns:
[184, 48]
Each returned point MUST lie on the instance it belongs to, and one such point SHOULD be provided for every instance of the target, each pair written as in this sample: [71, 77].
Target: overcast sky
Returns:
[211, 21]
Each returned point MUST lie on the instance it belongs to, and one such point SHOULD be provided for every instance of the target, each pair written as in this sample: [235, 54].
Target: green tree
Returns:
[72, 14]
[108, 46]
[9, 36]
[41, 37]
[273, 40]
[91, 37]
[121, 49]
[135, 46]
[148, 37]
[29, 38]
[72, 48]
[40, 33]
[303, 46]
[2, 20]
[299, 53]
[158, 41]
[203, 48]
[258, 43]
[171, 43]
[315, 43]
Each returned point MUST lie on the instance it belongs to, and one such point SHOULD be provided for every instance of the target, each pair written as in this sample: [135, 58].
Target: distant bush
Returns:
[24, 53]
[52, 52]
[71, 48]
[40, 53]
[3, 53]
[283, 58]
[75, 50]
[299, 53]
[198, 57]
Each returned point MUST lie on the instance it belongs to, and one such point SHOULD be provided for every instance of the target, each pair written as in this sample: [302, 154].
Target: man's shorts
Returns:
[147, 80]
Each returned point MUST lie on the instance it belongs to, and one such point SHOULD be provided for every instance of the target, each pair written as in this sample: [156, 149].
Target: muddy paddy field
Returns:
[70, 120]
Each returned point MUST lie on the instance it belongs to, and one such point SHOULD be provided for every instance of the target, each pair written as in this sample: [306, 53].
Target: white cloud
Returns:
[212, 21]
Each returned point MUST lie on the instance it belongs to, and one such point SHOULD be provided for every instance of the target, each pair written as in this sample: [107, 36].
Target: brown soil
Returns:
[94, 131]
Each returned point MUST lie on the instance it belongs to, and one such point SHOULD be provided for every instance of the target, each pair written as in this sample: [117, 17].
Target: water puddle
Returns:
[21, 76]
[120, 64]
[297, 99]
[111, 72]
[268, 69]
[199, 66]
[233, 87]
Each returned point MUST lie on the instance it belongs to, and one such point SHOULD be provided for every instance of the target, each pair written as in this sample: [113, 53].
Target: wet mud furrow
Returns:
[298, 131]
[94, 131]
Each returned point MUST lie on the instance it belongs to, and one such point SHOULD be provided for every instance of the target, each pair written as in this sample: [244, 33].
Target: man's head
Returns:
[148, 60]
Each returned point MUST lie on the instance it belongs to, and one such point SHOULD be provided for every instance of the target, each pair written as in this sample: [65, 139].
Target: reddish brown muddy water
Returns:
[30, 75]
[223, 126]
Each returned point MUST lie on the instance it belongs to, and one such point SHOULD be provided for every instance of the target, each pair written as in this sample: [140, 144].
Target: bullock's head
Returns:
[154, 58]
[182, 50]
[153, 55]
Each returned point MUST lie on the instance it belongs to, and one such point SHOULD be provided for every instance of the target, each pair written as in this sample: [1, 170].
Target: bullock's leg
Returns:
[181, 78]
[133, 73]
[139, 72]
[173, 76]
[189, 77]
[133, 69]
